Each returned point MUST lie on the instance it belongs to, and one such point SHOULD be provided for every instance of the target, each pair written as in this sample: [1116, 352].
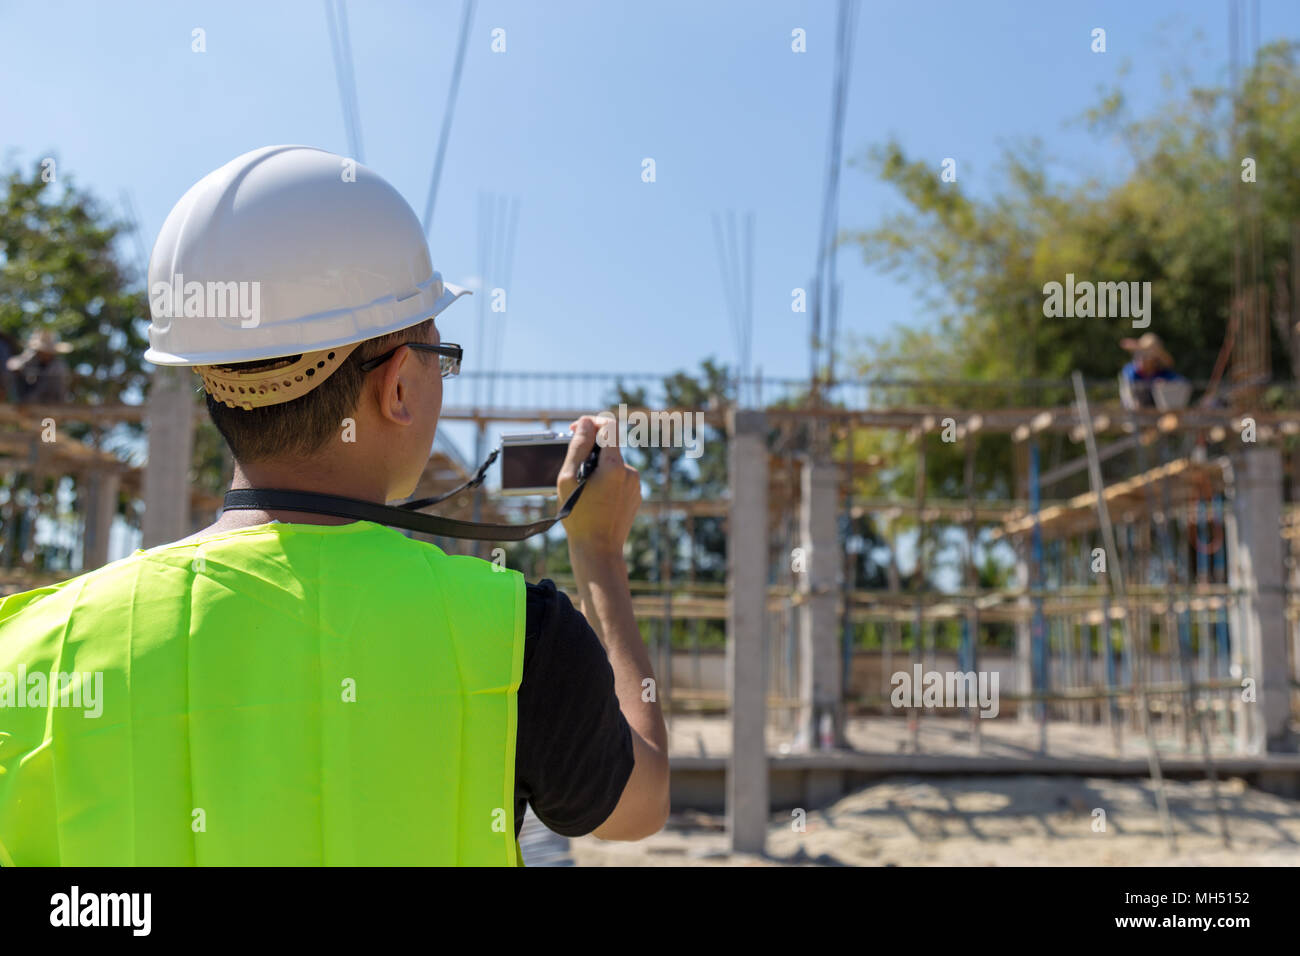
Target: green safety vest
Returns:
[287, 695]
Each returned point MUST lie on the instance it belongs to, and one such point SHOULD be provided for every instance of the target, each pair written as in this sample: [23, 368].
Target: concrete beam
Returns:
[747, 573]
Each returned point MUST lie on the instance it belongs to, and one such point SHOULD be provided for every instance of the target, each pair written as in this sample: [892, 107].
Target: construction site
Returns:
[1148, 635]
[893, 621]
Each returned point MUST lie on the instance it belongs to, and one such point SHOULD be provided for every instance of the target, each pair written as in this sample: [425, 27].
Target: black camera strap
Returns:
[408, 516]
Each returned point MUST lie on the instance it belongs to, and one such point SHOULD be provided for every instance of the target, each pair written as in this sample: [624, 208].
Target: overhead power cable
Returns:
[735, 250]
[336, 15]
[825, 288]
[447, 112]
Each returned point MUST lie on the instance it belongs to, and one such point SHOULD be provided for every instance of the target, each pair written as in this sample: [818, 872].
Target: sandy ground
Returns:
[991, 821]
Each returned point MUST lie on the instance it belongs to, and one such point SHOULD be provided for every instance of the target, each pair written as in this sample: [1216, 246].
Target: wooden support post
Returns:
[1115, 573]
[747, 573]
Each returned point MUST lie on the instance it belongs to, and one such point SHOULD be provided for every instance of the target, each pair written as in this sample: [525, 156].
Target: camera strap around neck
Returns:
[408, 516]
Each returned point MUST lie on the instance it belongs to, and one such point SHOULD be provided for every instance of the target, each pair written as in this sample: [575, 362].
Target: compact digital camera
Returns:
[531, 463]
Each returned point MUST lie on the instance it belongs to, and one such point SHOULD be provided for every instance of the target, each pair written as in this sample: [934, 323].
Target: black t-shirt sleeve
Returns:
[573, 746]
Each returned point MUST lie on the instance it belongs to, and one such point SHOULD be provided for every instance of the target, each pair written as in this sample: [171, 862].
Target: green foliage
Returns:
[59, 270]
[653, 542]
[982, 263]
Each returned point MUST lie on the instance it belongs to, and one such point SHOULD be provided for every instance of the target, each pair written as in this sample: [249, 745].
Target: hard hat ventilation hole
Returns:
[330, 356]
[287, 383]
[320, 364]
[311, 372]
[297, 378]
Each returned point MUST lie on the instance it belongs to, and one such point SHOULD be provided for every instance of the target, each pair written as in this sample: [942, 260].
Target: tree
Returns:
[983, 263]
[704, 477]
[1178, 218]
[59, 270]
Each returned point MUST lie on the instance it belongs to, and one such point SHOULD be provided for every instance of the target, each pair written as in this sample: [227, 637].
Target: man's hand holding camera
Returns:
[600, 522]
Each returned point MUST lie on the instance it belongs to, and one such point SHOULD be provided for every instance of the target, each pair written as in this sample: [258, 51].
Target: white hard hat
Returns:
[287, 250]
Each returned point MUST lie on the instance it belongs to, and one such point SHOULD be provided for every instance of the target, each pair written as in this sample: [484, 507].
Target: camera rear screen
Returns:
[532, 466]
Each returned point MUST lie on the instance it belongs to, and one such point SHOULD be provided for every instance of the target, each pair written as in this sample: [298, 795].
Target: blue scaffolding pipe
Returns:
[964, 663]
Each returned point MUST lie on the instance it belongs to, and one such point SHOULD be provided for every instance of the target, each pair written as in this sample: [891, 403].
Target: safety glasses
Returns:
[449, 356]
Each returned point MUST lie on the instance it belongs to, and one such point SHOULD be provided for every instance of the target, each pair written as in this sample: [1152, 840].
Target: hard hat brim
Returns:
[450, 293]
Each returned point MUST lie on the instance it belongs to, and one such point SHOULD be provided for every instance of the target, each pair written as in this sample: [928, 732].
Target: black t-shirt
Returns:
[573, 746]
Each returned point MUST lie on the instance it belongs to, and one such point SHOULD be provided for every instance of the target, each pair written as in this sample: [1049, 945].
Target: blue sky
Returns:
[610, 273]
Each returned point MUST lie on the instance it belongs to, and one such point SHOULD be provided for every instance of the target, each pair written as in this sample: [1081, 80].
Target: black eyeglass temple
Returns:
[448, 350]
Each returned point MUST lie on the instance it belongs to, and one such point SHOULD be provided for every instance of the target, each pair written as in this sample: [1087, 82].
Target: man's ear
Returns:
[393, 390]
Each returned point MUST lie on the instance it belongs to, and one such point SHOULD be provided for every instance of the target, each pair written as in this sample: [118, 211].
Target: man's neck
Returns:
[320, 477]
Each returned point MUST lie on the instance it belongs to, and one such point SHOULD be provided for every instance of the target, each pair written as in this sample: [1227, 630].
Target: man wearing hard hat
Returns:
[297, 687]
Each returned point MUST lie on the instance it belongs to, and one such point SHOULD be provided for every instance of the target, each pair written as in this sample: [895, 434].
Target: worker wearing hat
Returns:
[1151, 363]
[295, 689]
[39, 372]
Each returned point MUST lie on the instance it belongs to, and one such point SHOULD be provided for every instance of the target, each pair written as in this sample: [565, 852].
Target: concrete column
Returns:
[821, 664]
[1255, 568]
[1024, 640]
[747, 573]
[101, 505]
[170, 425]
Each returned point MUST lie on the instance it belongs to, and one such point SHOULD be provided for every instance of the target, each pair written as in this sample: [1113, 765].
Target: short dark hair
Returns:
[304, 425]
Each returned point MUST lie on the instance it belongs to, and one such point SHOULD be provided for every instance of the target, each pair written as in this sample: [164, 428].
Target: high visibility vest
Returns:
[289, 695]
